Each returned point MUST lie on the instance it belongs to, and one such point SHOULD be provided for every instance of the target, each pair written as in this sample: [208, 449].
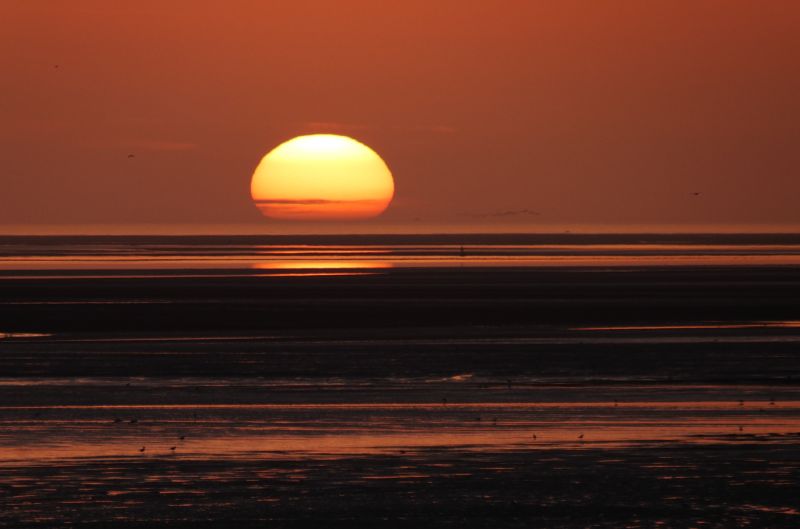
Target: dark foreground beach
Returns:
[535, 383]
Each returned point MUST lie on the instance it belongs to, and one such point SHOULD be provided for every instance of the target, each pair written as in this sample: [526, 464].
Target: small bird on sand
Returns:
[117, 420]
[182, 437]
[142, 449]
[534, 436]
[133, 421]
[444, 401]
[580, 436]
[131, 156]
[173, 448]
[741, 403]
[740, 428]
[696, 193]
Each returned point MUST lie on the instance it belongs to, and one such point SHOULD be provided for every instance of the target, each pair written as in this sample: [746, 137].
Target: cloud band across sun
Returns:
[318, 209]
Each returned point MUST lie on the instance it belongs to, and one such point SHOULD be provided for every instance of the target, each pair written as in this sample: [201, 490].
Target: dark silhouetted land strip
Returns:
[396, 298]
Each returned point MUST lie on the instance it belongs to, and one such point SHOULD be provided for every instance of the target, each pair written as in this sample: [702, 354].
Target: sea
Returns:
[492, 380]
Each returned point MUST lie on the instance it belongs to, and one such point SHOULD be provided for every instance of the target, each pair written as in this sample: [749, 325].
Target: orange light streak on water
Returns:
[751, 325]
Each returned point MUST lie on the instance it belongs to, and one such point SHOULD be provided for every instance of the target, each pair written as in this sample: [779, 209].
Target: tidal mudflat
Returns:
[458, 394]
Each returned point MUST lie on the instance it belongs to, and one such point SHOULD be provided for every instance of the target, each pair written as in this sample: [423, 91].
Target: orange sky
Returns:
[490, 114]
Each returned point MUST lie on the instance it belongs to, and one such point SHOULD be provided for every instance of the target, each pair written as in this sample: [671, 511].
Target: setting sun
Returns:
[322, 176]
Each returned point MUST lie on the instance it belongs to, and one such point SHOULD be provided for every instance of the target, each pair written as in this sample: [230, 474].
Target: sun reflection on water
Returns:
[321, 264]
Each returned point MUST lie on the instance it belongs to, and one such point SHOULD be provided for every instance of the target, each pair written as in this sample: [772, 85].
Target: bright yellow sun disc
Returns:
[322, 176]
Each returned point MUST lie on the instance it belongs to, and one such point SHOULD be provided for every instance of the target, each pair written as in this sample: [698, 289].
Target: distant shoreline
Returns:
[441, 238]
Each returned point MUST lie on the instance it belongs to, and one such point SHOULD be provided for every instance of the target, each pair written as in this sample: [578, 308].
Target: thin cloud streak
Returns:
[508, 213]
[313, 201]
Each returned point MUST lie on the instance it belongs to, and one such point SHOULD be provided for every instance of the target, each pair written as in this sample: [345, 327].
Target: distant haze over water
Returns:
[384, 228]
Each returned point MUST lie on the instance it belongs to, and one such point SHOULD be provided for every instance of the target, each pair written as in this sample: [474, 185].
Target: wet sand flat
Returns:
[743, 484]
[577, 437]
